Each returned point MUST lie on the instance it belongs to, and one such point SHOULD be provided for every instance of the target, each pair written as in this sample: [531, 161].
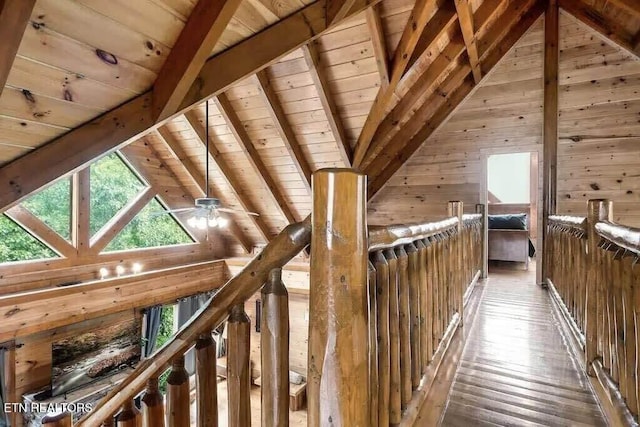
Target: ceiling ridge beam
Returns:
[380, 52]
[422, 12]
[41, 231]
[199, 36]
[244, 141]
[465, 18]
[14, 17]
[321, 83]
[164, 135]
[198, 129]
[279, 118]
[69, 153]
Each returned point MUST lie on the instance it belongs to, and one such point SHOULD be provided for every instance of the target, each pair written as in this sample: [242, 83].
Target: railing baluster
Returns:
[384, 356]
[395, 396]
[374, 383]
[238, 367]
[629, 334]
[434, 276]
[152, 405]
[129, 416]
[206, 382]
[635, 278]
[426, 307]
[414, 310]
[274, 345]
[404, 320]
[456, 209]
[178, 411]
[58, 420]
[619, 329]
[110, 422]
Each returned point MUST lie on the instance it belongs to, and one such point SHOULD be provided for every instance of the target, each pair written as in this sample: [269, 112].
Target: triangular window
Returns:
[150, 228]
[16, 244]
[53, 207]
[113, 184]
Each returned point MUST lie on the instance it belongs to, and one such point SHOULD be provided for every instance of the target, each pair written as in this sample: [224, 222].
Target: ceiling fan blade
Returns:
[172, 211]
[234, 211]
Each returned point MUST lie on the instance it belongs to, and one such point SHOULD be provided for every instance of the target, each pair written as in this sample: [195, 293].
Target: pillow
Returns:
[508, 222]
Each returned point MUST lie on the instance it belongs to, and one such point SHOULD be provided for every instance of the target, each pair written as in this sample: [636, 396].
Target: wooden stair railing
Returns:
[227, 302]
[595, 275]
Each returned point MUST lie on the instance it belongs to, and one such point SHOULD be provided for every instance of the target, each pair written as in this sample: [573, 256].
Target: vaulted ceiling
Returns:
[293, 86]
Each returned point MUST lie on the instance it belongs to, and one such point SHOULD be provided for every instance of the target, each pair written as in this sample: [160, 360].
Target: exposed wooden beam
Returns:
[10, 381]
[465, 17]
[199, 36]
[379, 43]
[321, 82]
[502, 26]
[80, 209]
[281, 122]
[487, 13]
[550, 118]
[229, 176]
[198, 179]
[258, 166]
[601, 24]
[41, 231]
[70, 152]
[14, 17]
[630, 6]
[422, 11]
[116, 224]
[337, 10]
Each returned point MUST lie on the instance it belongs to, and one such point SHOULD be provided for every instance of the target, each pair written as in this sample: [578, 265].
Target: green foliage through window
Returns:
[150, 228]
[16, 244]
[53, 207]
[164, 333]
[113, 185]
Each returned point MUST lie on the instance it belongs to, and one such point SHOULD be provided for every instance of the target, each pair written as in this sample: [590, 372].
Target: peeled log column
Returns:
[238, 367]
[206, 381]
[109, 422]
[414, 310]
[384, 366]
[405, 326]
[456, 209]
[152, 405]
[129, 416]
[426, 305]
[178, 395]
[395, 394]
[338, 387]
[274, 344]
[373, 347]
[58, 420]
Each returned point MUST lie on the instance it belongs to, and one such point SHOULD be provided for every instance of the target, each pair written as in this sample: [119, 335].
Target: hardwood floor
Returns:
[515, 368]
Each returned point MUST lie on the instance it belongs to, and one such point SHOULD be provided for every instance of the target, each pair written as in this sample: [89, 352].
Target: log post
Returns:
[58, 420]
[178, 395]
[395, 394]
[338, 387]
[414, 309]
[456, 208]
[426, 305]
[597, 210]
[239, 367]
[484, 238]
[152, 405]
[274, 346]
[129, 416]
[109, 422]
[206, 382]
[405, 326]
[384, 361]
[373, 347]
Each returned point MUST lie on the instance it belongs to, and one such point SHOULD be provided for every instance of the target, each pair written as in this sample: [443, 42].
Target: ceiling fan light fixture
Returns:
[222, 221]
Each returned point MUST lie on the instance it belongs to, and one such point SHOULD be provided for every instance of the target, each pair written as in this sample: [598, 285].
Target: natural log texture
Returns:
[395, 393]
[274, 351]
[374, 23]
[337, 383]
[206, 381]
[237, 290]
[178, 402]
[14, 17]
[550, 119]
[384, 358]
[426, 305]
[374, 350]
[203, 29]
[239, 367]
[484, 261]
[129, 416]
[110, 422]
[10, 380]
[465, 16]
[414, 310]
[456, 209]
[405, 326]
[58, 420]
[152, 405]
[80, 210]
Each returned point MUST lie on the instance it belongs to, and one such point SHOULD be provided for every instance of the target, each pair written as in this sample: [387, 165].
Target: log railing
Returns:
[593, 270]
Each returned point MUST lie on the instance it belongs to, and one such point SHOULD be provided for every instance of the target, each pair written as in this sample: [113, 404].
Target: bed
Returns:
[509, 239]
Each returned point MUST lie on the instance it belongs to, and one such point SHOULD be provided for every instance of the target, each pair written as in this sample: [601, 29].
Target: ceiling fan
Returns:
[206, 212]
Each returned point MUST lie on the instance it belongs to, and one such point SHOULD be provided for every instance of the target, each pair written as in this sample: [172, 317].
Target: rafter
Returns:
[281, 122]
[420, 15]
[14, 16]
[465, 17]
[258, 166]
[41, 231]
[379, 43]
[487, 13]
[70, 152]
[229, 176]
[321, 82]
[80, 208]
[199, 36]
[630, 6]
[337, 10]
[501, 27]
[602, 25]
[116, 224]
[164, 135]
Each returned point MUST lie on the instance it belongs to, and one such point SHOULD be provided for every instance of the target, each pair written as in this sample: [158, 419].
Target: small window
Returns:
[16, 244]
[53, 207]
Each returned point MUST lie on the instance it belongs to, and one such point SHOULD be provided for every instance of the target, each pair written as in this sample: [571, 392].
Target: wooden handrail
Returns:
[278, 252]
[577, 224]
[625, 237]
[384, 237]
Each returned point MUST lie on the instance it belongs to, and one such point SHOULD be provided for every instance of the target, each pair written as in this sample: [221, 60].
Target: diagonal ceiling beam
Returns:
[630, 6]
[165, 136]
[229, 176]
[465, 17]
[237, 129]
[420, 16]
[321, 82]
[202, 31]
[107, 133]
[337, 10]
[14, 16]
[281, 122]
[379, 43]
[500, 29]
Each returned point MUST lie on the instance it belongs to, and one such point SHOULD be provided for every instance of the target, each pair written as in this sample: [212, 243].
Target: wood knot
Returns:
[12, 312]
[28, 96]
[106, 57]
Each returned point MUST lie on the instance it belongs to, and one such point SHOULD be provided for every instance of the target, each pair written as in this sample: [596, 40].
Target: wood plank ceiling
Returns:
[366, 93]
